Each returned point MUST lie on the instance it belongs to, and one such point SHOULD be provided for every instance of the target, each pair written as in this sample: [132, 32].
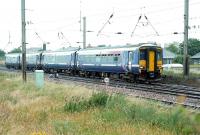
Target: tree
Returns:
[173, 47]
[2, 53]
[193, 46]
[16, 50]
[178, 59]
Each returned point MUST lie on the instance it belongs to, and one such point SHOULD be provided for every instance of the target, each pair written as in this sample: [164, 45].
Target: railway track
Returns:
[188, 92]
[177, 90]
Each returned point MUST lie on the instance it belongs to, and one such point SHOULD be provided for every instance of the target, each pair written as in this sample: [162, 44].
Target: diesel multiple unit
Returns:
[136, 62]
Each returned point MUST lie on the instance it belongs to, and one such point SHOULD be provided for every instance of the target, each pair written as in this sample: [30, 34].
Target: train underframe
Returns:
[130, 77]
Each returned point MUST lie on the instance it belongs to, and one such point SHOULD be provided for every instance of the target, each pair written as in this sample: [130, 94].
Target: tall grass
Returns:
[179, 75]
[77, 104]
[69, 109]
[115, 109]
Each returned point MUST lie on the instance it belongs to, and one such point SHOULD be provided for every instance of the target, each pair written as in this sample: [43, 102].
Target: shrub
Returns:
[77, 104]
[98, 99]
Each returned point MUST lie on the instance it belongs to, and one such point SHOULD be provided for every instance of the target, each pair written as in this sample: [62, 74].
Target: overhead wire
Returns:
[117, 17]
[104, 25]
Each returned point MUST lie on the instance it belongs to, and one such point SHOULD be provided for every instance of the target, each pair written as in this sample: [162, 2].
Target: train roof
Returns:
[121, 46]
[114, 49]
[29, 54]
[13, 54]
[60, 52]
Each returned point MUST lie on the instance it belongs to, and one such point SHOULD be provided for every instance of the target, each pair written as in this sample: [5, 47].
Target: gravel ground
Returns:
[137, 93]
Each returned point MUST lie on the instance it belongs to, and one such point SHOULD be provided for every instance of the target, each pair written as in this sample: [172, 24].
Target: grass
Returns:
[68, 109]
[195, 66]
[179, 75]
[78, 104]
[177, 78]
[2, 61]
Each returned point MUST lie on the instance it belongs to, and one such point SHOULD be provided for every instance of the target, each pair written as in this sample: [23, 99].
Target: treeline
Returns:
[177, 48]
[15, 50]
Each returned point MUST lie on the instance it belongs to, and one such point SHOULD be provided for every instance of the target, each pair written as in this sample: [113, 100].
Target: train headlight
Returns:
[141, 67]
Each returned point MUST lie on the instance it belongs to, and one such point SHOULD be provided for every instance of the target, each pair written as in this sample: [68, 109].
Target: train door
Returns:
[75, 59]
[151, 60]
[19, 61]
[37, 61]
[130, 59]
[72, 60]
[143, 59]
[41, 61]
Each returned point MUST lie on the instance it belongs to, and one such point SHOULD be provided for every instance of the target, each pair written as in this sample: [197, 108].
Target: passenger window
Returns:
[142, 54]
[130, 56]
[159, 57]
[115, 59]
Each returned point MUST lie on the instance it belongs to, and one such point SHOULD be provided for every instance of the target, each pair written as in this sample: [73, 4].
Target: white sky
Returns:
[49, 17]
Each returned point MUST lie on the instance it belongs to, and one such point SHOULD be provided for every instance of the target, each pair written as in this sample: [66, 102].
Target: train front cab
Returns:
[150, 63]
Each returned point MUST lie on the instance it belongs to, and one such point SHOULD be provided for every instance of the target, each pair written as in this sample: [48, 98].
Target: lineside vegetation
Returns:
[65, 109]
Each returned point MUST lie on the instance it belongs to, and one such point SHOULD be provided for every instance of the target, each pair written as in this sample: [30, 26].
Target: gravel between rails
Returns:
[150, 95]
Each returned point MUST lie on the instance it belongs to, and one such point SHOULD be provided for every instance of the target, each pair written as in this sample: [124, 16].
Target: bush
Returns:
[116, 109]
[76, 105]
[176, 120]
[79, 104]
[98, 99]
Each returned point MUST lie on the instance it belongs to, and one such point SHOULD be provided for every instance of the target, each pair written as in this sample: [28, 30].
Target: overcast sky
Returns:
[47, 18]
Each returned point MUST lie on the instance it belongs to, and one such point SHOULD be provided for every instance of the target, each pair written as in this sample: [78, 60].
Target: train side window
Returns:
[130, 56]
[142, 54]
[115, 59]
[98, 59]
[159, 57]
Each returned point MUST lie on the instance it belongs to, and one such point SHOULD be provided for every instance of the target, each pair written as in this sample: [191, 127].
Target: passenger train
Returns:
[131, 62]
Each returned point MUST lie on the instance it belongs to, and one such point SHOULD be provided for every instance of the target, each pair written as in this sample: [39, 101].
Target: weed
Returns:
[7, 97]
[5, 113]
[98, 99]
[64, 127]
[77, 104]
[42, 116]
[24, 109]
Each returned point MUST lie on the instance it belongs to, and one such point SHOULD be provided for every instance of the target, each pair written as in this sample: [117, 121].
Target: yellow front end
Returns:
[150, 63]
[142, 64]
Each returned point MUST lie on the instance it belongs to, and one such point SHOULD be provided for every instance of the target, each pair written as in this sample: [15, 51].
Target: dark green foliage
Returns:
[173, 47]
[16, 50]
[2, 53]
[78, 104]
[177, 48]
[178, 59]
[177, 120]
[99, 99]
[193, 46]
[115, 108]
